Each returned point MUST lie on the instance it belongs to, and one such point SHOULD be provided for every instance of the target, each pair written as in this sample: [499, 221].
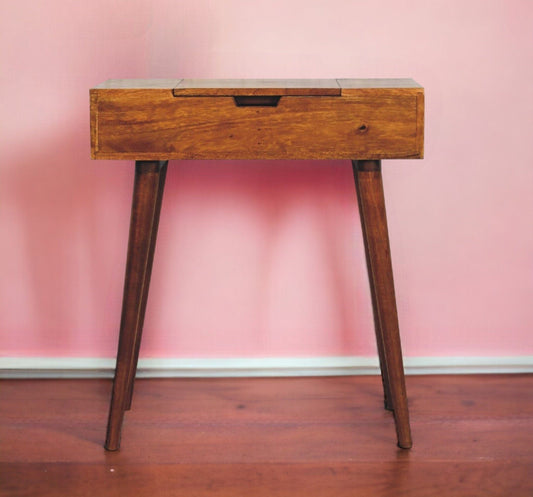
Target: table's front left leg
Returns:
[156, 203]
[146, 205]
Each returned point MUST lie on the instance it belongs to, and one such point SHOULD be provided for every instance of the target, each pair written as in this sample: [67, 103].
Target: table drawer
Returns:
[154, 124]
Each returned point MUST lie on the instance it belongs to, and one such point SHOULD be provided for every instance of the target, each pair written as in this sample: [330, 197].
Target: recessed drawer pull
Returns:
[257, 100]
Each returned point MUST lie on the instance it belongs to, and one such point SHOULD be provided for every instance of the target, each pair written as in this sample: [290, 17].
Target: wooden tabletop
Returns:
[274, 87]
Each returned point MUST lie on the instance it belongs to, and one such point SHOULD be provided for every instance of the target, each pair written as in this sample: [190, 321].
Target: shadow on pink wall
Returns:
[56, 296]
[256, 256]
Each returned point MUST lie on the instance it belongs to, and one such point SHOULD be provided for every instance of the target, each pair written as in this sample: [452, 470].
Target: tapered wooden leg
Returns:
[146, 285]
[374, 221]
[146, 204]
[377, 326]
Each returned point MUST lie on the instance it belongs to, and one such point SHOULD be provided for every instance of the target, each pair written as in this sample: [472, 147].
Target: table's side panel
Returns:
[420, 111]
[154, 125]
[93, 95]
[136, 104]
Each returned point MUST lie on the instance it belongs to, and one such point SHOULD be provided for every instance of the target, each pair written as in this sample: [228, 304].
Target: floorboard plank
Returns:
[473, 435]
[420, 479]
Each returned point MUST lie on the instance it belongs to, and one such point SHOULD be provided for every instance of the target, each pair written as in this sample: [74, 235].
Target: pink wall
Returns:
[266, 258]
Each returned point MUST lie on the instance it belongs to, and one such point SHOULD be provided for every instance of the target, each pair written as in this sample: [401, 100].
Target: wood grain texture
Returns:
[270, 480]
[269, 436]
[149, 123]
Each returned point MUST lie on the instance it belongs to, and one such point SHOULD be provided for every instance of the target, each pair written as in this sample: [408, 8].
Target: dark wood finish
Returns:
[270, 437]
[377, 248]
[146, 206]
[377, 325]
[157, 120]
[148, 122]
[140, 170]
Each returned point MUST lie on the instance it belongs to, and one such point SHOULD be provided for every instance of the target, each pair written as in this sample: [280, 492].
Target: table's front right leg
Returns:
[375, 232]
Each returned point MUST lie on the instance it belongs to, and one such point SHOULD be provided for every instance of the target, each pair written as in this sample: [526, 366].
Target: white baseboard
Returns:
[63, 367]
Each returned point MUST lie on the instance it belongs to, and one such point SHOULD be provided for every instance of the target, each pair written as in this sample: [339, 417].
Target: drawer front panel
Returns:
[153, 124]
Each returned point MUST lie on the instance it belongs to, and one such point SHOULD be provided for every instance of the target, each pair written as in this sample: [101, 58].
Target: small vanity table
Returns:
[153, 121]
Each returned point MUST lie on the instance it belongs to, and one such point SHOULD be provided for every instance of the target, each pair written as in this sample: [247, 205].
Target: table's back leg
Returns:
[146, 205]
[375, 233]
[377, 325]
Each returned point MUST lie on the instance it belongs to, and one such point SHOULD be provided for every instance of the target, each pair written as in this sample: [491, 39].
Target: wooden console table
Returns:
[152, 121]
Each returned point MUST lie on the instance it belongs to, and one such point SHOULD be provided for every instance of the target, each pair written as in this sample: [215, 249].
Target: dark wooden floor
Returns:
[327, 436]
